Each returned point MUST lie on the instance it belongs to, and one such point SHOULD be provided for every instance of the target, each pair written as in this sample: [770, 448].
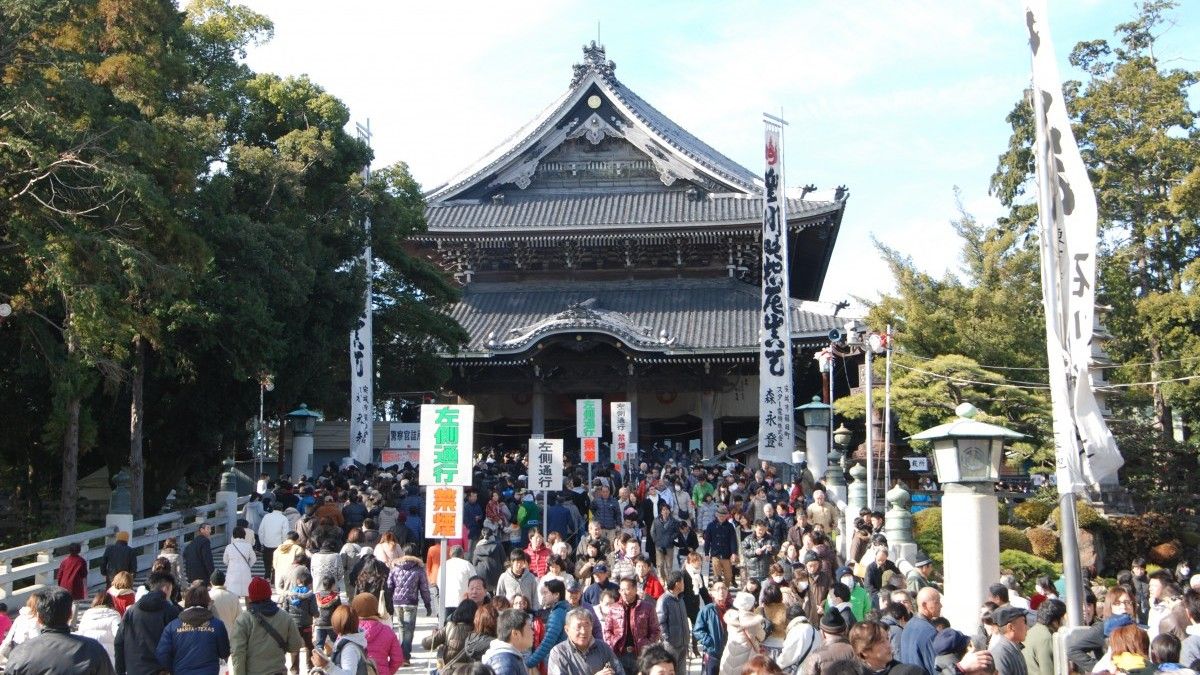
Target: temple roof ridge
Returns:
[676, 152]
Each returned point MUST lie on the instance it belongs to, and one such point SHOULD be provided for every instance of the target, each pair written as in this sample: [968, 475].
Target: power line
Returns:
[1044, 369]
[1034, 385]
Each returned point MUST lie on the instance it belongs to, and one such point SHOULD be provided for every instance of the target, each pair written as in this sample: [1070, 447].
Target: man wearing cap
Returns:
[1006, 643]
[720, 544]
[819, 583]
[591, 594]
[118, 557]
[834, 648]
[918, 577]
[576, 601]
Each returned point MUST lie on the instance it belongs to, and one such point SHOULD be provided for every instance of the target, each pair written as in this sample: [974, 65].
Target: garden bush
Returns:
[1086, 517]
[1031, 513]
[1133, 536]
[1043, 542]
[1165, 554]
[1026, 568]
[1013, 539]
[927, 530]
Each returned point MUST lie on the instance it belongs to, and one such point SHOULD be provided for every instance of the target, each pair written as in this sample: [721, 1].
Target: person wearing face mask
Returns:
[860, 601]
[773, 608]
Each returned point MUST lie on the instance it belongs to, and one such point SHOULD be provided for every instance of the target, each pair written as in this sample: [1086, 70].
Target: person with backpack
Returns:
[262, 635]
[349, 656]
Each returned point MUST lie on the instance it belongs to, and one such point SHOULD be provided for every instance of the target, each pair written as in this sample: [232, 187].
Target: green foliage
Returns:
[1026, 568]
[1086, 517]
[1014, 539]
[1043, 543]
[1031, 513]
[927, 530]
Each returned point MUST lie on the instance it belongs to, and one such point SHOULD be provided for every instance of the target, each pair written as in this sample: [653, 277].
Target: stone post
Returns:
[537, 423]
[119, 505]
[972, 559]
[855, 501]
[898, 526]
[227, 497]
[707, 443]
[302, 452]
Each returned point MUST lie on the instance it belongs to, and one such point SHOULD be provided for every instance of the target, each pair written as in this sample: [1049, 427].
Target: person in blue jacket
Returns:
[553, 597]
[709, 630]
[194, 642]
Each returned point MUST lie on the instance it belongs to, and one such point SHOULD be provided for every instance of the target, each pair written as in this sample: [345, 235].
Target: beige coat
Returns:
[746, 634]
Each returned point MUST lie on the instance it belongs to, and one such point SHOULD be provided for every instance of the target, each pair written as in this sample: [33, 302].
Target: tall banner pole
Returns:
[1085, 450]
[362, 362]
[887, 415]
[775, 410]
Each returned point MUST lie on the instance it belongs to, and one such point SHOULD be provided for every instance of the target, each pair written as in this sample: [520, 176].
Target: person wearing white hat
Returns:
[745, 633]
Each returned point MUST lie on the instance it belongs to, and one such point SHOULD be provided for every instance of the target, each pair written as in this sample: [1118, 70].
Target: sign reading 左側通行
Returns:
[447, 436]
[545, 464]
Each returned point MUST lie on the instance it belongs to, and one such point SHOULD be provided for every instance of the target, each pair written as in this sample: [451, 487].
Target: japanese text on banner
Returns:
[446, 436]
[775, 424]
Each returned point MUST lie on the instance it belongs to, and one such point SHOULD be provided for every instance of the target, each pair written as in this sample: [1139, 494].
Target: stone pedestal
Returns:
[816, 441]
[302, 452]
[855, 501]
[898, 526]
[971, 532]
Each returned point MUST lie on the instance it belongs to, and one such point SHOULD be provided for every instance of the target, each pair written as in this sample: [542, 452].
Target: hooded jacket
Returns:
[488, 559]
[801, 641]
[252, 649]
[194, 643]
[345, 658]
[326, 603]
[56, 650]
[101, 624]
[504, 659]
[745, 635]
[141, 628]
[301, 605]
[282, 561]
[407, 581]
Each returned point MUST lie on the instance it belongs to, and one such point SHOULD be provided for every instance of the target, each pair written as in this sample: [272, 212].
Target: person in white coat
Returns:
[101, 622]
[224, 603]
[272, 532]
[239, 561]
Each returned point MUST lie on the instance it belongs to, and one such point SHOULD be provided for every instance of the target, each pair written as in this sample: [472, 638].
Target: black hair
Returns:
[1051, 610]
[897, 611]
[518, 554]
[54, 607]
[1164, 649]
[217, 578]
[841, 591]
[999, 591]
[510, 621]
[654, 655]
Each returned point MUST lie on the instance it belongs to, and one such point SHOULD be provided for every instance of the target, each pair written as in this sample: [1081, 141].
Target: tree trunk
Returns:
[137, 467]
[70, 440]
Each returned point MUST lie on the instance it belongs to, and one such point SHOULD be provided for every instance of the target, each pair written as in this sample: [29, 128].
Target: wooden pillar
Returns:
[538, 416]
[631, 395]
[707, 442]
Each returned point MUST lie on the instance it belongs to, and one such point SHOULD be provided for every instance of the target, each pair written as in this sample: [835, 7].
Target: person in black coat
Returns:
[118, 557]
[142, 627]
[198, 557]
[56, 650]
[488, 558]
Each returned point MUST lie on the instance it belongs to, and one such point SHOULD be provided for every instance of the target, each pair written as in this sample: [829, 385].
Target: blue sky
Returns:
[900, 101]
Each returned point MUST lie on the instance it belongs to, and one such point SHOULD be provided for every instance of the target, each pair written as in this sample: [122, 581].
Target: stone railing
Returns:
[29, 568]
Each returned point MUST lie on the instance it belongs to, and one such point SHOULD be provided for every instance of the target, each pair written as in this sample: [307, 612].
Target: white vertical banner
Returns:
[775, 425]
[588, 417]
[362, 361]
[545, 464]
[620, 418]
[1085, 449]
[443, 511]
[447, 440]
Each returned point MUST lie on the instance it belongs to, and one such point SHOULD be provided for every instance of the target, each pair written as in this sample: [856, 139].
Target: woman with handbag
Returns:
[239, 560]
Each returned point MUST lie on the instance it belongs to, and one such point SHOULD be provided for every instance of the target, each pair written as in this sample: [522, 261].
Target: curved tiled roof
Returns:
[713, 315]
[647, 209]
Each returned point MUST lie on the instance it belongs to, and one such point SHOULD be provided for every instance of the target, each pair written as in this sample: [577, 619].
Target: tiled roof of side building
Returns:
[612, 210]
[674, 315]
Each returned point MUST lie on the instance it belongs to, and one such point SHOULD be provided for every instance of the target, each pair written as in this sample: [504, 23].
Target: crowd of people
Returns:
[643, 571]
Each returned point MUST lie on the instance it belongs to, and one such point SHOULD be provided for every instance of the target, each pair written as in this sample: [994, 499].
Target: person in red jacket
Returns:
[651, 585]
[72, 573]
[539, 554]
[631, 625]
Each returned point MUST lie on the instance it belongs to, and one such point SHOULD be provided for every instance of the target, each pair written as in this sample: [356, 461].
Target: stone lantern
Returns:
[304, 424]
[816, 434]
[967, 455]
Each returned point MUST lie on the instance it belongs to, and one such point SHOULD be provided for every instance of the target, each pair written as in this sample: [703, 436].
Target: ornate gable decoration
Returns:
[582, 317]
[674, 152]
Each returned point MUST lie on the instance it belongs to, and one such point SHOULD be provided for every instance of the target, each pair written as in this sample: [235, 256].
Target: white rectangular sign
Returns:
[404, 436]
[588, 417]
[447, 438]
[775, 423]
[443, 512]
[545, 464]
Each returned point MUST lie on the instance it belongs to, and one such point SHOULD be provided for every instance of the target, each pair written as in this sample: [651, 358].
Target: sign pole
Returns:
[442, 583]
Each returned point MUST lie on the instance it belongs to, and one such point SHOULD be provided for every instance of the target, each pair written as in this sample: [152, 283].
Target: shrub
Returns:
[1132, 536]
[1026, 568]
[1164, 554]
[1043, 542]
[1086, 517]
[927, 530]
[1031, 513]
[1013, 539]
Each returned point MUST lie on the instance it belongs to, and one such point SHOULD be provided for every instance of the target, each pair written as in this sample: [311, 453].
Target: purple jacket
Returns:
[406, 580]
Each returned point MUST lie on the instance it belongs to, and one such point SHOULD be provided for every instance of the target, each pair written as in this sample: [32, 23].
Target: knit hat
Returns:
[260, 590]
[832, 622]
[743, 601]
[365, 605]
[123, 536]
[950, 641]
[1116, 621]
[811, 556]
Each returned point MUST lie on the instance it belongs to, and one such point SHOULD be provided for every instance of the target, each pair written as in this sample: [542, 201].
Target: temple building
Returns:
[606, 252]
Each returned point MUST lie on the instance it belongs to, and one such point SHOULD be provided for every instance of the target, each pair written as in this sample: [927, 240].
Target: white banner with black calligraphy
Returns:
[775, 426]
[1086, 450]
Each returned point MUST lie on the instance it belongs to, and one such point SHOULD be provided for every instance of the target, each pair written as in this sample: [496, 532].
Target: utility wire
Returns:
[1034, 385]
